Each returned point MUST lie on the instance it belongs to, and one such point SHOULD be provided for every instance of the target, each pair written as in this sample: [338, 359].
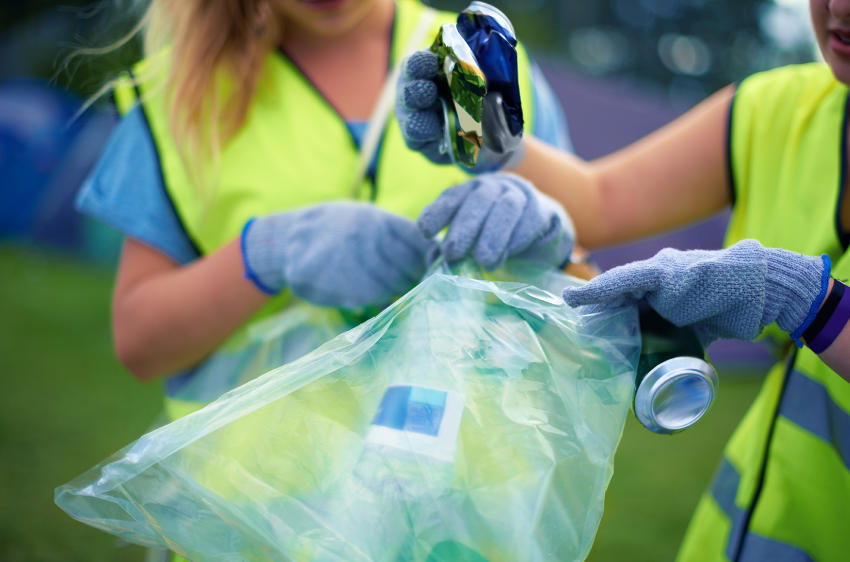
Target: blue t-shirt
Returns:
[126, 189]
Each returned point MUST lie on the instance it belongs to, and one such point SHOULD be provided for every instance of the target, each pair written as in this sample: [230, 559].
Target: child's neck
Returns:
[350, 70]
[376, 23]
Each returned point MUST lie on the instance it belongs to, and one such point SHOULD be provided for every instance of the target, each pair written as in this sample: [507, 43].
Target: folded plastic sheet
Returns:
[471, 420]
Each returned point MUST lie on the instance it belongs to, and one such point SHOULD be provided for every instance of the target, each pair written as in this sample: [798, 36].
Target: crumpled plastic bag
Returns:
[274, 341]
[471, 420]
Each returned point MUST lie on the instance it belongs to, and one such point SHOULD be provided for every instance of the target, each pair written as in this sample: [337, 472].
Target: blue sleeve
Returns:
[126, 191]
[550, 124]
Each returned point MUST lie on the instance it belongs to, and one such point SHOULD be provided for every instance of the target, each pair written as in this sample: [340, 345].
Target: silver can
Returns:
[675, 385]
[675, 394]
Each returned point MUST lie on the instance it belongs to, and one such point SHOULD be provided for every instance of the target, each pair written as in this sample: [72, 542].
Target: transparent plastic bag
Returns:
[471, 420]
[283, 337]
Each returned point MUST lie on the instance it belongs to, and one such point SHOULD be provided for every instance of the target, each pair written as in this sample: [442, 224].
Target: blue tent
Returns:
[45, 155]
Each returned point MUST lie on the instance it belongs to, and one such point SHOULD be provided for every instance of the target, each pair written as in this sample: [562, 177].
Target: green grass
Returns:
[659, 478]
[66, 404]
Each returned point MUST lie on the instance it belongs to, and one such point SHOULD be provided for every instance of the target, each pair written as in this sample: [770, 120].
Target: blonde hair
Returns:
[201, 43]
[207, 40]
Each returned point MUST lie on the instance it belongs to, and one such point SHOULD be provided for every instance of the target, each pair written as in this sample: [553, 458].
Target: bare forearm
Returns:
[673, 177]
[174, 317]
[572, 182]
[837, 356]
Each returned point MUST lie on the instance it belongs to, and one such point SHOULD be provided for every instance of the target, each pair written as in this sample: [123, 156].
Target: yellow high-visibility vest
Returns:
[293, 150]
[782, 491]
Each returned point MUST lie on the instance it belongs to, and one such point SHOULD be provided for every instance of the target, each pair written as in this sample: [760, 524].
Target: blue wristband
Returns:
[249, 273]
[813, 311]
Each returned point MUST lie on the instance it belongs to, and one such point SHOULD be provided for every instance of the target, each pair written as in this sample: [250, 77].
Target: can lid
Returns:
[675, 394]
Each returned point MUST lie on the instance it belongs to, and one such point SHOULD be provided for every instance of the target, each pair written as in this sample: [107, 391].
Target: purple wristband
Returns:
[836, 322]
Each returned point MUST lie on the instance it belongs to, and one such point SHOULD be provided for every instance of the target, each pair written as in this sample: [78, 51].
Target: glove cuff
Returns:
[515, 157]
[797, 334]
[260, 256]
[490, 161]
[794, 288]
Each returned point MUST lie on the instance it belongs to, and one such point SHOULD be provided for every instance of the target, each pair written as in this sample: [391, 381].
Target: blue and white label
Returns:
[412, 408]
[419, 419]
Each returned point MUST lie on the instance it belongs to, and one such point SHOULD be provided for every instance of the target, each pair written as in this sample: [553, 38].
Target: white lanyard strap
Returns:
[379, 116]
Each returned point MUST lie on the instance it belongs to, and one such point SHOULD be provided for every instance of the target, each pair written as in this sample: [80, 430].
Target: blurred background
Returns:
[621, 68]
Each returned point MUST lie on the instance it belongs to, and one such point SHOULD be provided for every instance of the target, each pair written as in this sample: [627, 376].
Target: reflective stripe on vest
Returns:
[783, 490]
[753, 548]
[807, 404]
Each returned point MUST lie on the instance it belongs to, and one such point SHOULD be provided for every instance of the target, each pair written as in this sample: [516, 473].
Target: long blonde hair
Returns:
[200, 42]
[206, 39]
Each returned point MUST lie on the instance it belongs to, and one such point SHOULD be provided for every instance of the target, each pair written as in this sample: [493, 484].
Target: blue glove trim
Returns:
[249, 273]
[813, 311]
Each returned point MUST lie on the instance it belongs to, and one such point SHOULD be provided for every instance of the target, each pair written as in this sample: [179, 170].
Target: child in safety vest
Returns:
[255, 172]
[775, 149]
[264, 188]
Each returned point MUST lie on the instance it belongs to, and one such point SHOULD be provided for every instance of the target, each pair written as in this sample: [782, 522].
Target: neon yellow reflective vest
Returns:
[294, 150]
[782, 491]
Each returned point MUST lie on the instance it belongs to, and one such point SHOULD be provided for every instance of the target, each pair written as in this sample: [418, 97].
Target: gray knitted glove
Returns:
[342, 254]
[420, 117]
[417, 109]
[493, 217]
[731, 293]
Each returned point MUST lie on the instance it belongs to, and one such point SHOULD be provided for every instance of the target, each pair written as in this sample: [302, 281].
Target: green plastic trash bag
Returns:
[471, 420]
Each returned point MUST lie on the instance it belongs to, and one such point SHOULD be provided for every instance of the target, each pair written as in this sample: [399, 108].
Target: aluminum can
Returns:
[675, 385]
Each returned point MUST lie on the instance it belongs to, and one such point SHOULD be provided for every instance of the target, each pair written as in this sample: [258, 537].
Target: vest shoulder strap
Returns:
[782, 124]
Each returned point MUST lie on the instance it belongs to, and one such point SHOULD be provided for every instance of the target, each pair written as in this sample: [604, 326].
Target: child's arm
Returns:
[166, 317]
[837, 356]
[339, 254]
[832, 340]
[672, 177]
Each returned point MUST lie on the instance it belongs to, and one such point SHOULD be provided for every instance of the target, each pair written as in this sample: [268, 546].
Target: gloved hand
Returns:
[731, 293]
[341, 254]
[419, 114]
[498, 216]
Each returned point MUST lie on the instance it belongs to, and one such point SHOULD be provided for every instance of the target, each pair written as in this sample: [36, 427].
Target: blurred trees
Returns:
[686, 48]
[49, 39]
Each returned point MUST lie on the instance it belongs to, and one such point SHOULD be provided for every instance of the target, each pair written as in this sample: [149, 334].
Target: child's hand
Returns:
[417, 109]
[420, 117]
[340, 254]
[731, 293]
[498, 216]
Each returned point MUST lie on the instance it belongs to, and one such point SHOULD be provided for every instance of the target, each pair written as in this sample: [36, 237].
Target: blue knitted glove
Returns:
[420, 116]
[498, 216]
[731, 293]
[340, 254]
[417, 109]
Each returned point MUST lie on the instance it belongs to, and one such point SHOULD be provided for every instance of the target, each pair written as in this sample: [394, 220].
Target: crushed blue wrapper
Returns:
[491, 37]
